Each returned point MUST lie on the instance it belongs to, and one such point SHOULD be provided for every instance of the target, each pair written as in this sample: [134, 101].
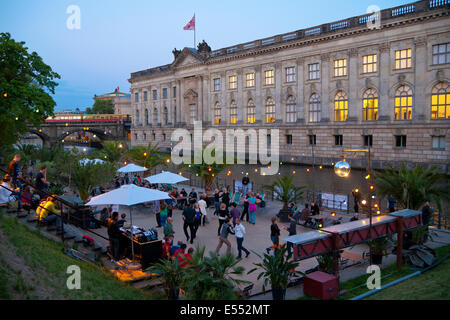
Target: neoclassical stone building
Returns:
[342, 85]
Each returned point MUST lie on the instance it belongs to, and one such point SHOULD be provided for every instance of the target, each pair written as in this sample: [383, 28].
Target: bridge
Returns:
[109, 127]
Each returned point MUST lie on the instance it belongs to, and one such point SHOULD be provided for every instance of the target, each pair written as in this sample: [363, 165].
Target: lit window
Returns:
[233, 112]
[217, 84]
[370, 105]
[291, 114]
[217, 113]
[249, 80]
[314, 71]
[441, 53]
[340, 106]
[403, 59]
[439, 142]
[403, 103]
[440, 101]
[232, 82]
[270, 110]
[290, 74]
[269, 77]
[370, 63]
[314, 108]
[251, 111]
[340, 67]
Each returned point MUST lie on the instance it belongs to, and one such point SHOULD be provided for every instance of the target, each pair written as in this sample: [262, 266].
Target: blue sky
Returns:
[118, 37]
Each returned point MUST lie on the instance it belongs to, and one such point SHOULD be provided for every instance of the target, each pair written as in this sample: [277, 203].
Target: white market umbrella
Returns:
[166, 177]
[130, 168]
[128, 195]
[94, 161]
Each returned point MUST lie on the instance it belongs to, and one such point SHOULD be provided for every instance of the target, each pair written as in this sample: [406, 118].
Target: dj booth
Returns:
[146, 251]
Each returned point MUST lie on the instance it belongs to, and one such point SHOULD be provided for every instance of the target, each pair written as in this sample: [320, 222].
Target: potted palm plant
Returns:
[171, 275]
[378, 249]
[277, 270]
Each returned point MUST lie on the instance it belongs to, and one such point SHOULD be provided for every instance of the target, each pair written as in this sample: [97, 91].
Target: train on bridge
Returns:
[88, 118]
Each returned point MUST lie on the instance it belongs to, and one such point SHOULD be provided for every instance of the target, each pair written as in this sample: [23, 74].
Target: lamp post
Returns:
[342, 169]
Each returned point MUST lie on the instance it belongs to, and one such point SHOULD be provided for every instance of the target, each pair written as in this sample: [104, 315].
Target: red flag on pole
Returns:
[190, 25]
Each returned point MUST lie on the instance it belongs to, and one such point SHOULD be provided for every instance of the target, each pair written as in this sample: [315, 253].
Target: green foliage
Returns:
[87, 176]
[379, 246]
[101, 107]
[148, 157]
[285, 190]
[171, 274]
[325, 262]
[412, 188]
[28, 82]
[276, 269]
[212, 277]
[113, 151]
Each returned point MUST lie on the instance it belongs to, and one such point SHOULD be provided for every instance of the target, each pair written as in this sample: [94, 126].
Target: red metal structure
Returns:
[345, 235]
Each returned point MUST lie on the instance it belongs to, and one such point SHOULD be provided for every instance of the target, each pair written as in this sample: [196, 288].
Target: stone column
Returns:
[279, 94]
[325, 94]
[259, 95]
[420, 81]
[300, 99]
[354, 107]
[385, 111]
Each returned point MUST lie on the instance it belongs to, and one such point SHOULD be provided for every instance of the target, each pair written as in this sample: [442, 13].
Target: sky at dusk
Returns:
[118, 37]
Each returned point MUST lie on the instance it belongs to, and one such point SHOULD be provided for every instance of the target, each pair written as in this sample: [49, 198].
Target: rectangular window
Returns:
[269, 139]
[400, 141]
[403, 59]
[145, 96]
[338, 140]
[314, 71]
[249, 80]
[370, 63]
[439, 142]
[136, 97]
[164, 93]
[269, 77]
[312, 139]
[217, 84]
[441, 53]
[340, 68]
[155, 95]
[289, 139]
[174, 92]
[368, 140]
[290, 74]
[232, 82]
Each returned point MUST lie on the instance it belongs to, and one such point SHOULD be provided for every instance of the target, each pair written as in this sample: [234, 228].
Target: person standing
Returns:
[197, 217]
[188, 222]
[239, 231]
[13, 171]
[216, 202]
[235, 214]
[193, 196]
[114, 233]
[315, 210]
[158, 213]
[292, 230]
[223, 216]
[252, 208]
[245, 182]
[203, 208]
[391, 204]
[274, 236]
[226, 197]
[227, 228]
[168, 229]
[245, 211]
[163, 214]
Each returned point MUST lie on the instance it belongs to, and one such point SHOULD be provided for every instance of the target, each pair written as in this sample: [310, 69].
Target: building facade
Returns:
[379, 81]
[121, 101]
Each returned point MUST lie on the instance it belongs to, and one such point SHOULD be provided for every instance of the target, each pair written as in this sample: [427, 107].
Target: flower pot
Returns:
[377, 258]
[278, 294]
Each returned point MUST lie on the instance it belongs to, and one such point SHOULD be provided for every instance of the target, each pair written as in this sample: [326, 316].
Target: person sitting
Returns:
[166, 248]
[185, 259]
[305, 215]
[27, 199]
[175, 248]
[355, 217]
[6, 190]
[49, 213]
[180, 250]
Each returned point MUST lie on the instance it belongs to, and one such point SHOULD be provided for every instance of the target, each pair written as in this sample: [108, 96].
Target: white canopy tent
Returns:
[166, 177]
[128, 195]
[94, 161]
[130, 168]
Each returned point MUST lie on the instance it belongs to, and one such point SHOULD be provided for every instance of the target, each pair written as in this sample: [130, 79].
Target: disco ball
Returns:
[342, 169]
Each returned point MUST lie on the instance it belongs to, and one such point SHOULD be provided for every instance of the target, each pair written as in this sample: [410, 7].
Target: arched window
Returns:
[217, 113]
[340, 106]
[370, 105]
[270, 110]
[291, 113]
[233, 112]
[403, 103]
[155, 116]
[314, 108]
[165, 116]
[440, 101]
[251, 111]
[146, 117]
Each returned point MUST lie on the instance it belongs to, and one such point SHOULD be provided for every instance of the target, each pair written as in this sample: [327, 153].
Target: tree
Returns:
[87, 176]
[113, 151]
[412, 188]
[148, 157]
[171, 275]
[26, 83]
[101, 107]
[285, 190]
[212, 277]
[207, 172]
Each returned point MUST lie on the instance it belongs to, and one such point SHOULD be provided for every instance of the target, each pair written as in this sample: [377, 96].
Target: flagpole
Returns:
[195, 27]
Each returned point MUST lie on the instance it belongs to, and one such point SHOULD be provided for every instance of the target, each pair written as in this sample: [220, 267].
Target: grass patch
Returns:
[47, 260]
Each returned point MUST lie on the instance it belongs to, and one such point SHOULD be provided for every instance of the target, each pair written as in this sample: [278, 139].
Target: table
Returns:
[146, 253]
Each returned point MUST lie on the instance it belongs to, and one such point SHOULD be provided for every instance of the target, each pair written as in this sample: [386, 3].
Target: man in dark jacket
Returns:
[188, 218]
[292, 229]
[114, 234]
